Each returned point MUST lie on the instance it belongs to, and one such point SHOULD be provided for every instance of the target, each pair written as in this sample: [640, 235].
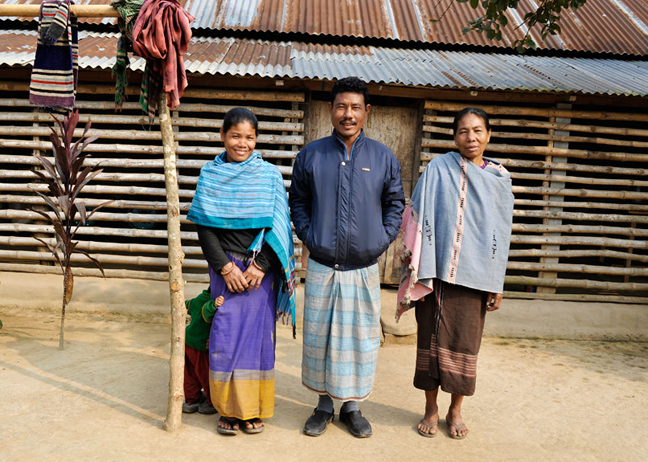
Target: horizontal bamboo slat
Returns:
[109, 273]
[561, 253]
[545, 151]
[87, 106]
[540, 112]
[577, 297]
[577, 283]
[530, 123]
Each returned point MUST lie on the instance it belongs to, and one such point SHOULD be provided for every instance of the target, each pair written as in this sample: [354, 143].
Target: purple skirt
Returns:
[242, 349]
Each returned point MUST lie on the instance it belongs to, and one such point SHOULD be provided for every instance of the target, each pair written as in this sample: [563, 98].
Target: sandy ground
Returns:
[104, 398]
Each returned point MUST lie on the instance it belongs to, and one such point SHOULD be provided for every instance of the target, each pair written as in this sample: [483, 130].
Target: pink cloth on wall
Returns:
[162, 34]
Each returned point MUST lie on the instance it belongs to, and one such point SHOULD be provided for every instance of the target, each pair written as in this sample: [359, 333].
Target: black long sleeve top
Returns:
[216, 241]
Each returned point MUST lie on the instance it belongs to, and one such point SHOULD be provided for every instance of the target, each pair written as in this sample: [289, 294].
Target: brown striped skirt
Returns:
[450, 326]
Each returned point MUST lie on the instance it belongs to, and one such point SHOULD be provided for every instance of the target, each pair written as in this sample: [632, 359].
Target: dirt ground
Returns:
[104, 398]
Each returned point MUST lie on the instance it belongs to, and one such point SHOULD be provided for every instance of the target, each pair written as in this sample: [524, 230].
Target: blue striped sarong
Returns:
[341, 331]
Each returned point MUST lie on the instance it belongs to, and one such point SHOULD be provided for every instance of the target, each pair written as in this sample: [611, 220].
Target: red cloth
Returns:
[196, 375]
[162, 33]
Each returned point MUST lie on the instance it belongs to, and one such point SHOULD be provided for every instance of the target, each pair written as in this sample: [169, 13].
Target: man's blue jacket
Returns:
[347, 212]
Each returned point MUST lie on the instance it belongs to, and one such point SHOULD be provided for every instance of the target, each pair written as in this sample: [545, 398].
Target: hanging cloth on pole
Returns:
[161, 35]
[54, 75]
[128, 11]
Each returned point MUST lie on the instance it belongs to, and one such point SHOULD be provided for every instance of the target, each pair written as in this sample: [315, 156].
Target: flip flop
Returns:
[428, 435]
[228, 431]
[457, 427]
[252, 430]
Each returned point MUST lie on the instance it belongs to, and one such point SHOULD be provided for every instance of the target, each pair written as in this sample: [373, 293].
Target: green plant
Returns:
[65, 179]
[547, 14]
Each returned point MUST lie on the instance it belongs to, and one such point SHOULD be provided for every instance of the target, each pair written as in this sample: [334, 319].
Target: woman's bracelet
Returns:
[257, 266]
[225, 273]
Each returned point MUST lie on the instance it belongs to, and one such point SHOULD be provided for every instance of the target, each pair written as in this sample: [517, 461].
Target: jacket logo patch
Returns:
[365, 169]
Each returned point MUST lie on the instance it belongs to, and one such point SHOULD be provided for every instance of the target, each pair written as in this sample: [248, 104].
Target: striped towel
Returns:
[55, 71]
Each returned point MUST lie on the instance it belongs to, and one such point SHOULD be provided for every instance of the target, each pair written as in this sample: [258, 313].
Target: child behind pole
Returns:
[200, 312]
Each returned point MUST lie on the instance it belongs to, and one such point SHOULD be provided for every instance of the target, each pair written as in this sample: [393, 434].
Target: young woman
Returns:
[241, 212]
[457, 231]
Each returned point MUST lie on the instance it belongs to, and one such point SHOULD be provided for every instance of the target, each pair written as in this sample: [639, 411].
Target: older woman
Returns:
[457, 231]
[241, 212]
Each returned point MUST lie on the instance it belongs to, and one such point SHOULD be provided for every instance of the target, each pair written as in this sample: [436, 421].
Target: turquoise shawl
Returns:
[250, 195]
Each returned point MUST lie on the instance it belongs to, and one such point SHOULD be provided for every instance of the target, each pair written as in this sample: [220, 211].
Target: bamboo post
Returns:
[80, 11]
[173, 418]
[557, 199]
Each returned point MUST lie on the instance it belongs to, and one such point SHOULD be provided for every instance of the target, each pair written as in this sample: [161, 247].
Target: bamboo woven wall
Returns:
[580, 179]
[129, 236]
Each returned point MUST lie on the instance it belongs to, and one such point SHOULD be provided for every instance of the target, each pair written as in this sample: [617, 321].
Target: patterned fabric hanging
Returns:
[55, 71]
[128, 11]
[161, 35]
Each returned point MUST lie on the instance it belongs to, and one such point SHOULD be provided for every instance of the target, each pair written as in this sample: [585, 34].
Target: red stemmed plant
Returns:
[65, 178]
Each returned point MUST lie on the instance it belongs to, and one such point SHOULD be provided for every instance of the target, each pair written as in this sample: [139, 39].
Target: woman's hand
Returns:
[234, 278]
[253, 275]
[493, 301]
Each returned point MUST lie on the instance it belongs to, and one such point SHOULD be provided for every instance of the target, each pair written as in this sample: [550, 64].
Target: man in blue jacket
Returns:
[346, 202]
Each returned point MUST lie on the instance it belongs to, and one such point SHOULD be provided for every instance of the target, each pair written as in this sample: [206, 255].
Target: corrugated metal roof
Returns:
[601, 26]
[431, 68]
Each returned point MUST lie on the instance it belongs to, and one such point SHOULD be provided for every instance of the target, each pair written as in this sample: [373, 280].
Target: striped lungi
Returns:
[341, 331]
[450, 327]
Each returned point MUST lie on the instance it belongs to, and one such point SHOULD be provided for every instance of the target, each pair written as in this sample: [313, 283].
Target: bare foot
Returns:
[456, 427]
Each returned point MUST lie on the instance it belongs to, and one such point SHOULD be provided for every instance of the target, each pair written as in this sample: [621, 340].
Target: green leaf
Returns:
[474, 3]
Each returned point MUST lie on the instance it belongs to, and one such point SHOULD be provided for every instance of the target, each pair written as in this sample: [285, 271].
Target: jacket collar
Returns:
[357, 143]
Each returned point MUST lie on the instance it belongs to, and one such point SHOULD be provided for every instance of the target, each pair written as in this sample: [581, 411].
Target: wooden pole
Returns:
[173, 419]
[80, 11]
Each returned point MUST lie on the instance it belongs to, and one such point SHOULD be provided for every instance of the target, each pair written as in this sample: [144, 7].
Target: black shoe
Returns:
[317, 423]
[205, 408]
[358, 425]
[190, 408]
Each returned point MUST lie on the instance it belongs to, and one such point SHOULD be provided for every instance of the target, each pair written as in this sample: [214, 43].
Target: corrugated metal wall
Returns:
[129, 236]
[580, 179]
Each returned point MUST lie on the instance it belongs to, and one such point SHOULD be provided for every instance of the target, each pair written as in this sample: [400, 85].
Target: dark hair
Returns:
[470, 110]
[236, 116]
[350, 85]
